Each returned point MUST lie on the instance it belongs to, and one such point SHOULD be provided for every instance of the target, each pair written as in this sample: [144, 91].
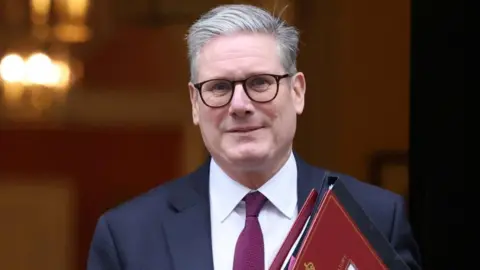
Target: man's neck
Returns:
[256, 178]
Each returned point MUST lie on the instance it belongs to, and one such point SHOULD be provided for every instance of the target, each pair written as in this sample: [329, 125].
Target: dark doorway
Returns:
[436, 143]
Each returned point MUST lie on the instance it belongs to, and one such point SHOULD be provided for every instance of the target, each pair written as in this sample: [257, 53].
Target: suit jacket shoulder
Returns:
[376, 201]
[133, 235]
[142, 207]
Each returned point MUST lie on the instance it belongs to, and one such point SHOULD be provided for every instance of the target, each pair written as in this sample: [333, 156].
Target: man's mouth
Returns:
[244, 129]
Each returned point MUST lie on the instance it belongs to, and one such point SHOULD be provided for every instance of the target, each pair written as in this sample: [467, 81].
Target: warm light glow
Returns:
[77, 8]
[72, 33]
[12, 68]
[62, 75]
[75, 11]
[40, 10]
[72, 26]
[12, 93]
[38, 69]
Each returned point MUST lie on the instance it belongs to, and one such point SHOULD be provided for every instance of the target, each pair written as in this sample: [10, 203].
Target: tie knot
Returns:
[254, 202]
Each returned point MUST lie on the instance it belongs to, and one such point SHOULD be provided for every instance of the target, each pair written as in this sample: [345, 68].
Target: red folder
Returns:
[295, 231]
[339, 236]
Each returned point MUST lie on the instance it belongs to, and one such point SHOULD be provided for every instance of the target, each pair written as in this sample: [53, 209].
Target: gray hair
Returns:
[229, 19]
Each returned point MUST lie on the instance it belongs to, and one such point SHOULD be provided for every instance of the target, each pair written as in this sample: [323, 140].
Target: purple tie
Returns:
[249, 251]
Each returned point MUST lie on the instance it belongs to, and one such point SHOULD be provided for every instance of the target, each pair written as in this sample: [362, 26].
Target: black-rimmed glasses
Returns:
[260, 88]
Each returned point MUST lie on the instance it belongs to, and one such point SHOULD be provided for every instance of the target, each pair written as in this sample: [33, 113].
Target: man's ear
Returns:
[299, 88]
[194, 100]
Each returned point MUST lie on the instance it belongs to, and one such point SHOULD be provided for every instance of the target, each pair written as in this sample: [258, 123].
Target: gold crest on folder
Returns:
[309, 266]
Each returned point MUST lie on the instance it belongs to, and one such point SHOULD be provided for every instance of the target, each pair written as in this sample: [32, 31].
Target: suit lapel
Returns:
[188, 231]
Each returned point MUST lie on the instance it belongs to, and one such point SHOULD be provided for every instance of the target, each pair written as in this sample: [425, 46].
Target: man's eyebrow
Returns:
[249, 74]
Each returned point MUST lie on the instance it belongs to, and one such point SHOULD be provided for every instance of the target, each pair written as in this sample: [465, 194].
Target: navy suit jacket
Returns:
[169, 226]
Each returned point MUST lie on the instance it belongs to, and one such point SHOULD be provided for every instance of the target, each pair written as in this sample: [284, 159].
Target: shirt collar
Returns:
[280, 190]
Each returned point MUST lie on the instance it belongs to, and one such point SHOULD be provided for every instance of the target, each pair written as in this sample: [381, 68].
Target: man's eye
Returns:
[258, 81]
[221, 87]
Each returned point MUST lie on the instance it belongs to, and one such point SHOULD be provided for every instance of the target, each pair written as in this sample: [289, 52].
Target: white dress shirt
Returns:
[228, 212]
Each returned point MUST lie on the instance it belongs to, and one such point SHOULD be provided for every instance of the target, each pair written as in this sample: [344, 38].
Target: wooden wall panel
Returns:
[37, 228]
[107, 164]
[140, 59]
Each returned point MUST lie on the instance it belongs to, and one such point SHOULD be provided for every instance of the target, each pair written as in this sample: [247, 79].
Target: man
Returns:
[236, 209]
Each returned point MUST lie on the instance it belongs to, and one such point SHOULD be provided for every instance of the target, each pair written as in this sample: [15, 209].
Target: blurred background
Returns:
[94, 109]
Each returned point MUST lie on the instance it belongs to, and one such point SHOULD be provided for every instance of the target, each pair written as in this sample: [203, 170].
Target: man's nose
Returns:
[240, 104]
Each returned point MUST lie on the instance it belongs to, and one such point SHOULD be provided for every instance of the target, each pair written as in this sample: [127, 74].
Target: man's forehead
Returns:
[242, 53]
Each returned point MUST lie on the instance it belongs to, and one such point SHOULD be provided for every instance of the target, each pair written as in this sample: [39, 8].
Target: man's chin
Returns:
[247, 159]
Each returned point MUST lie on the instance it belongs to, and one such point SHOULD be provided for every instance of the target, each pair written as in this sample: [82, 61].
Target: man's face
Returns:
[244, 133]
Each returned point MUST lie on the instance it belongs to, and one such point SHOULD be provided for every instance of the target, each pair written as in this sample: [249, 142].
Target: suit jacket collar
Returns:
[188, 230]
[309, 178]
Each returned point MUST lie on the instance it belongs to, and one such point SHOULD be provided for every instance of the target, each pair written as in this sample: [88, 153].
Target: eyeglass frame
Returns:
[277, 77]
